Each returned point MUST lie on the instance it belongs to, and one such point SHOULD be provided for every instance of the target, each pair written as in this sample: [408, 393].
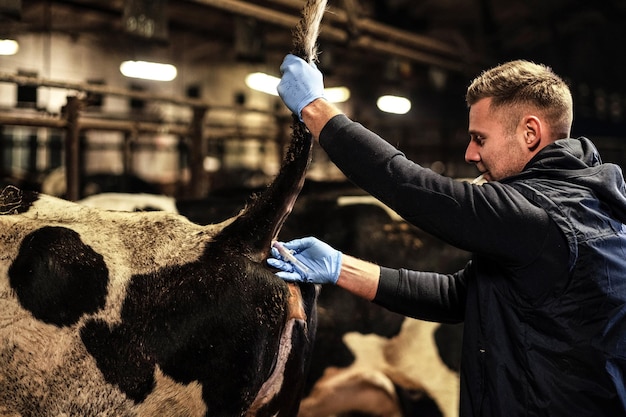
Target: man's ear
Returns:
[532, 132]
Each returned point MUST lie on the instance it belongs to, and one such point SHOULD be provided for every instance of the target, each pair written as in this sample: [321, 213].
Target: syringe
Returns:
[288, 255]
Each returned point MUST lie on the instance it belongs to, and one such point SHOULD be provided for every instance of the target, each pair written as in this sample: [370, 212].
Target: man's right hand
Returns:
[318, 263]
[301, 83]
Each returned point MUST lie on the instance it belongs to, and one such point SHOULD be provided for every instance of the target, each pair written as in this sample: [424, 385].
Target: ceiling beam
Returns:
[395, 42]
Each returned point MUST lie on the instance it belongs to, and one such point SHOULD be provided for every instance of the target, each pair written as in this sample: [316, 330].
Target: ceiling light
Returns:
[394, 104]
[337, 94]
[262, 82]
[267, 84]
[148, 70]
[8, 47]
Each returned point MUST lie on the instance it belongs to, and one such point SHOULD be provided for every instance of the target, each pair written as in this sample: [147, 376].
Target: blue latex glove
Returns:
[300, 84]
[317, 262]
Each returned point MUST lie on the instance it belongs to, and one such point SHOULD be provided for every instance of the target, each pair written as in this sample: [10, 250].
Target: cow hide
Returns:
[140, 314]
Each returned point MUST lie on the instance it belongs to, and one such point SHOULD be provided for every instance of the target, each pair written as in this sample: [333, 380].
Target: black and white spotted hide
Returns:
[108, 313]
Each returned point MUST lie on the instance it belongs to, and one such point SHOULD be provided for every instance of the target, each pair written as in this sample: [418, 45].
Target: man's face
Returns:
[497, 152]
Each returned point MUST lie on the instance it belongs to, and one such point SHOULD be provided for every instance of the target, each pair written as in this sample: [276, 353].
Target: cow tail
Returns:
[307, 30]
[261, 221]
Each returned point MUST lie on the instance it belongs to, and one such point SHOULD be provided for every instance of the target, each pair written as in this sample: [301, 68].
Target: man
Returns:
[544, 297]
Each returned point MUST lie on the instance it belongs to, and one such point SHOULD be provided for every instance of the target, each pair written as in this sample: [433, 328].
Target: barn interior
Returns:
[206, 129]
[73, 125]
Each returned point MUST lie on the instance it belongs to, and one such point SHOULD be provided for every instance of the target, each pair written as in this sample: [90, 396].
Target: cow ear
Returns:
[15, 201]
[57, 277]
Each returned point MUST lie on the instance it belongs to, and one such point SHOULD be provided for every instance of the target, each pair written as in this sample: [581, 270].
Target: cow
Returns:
[130, 202]
[54, 182]
[113, 313]
[117, 313]
[402, 375]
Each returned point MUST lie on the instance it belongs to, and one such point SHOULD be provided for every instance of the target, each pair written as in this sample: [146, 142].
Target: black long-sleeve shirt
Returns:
[493, 221]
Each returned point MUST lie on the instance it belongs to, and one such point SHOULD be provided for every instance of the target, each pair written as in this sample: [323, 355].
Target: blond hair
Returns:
[522, 85]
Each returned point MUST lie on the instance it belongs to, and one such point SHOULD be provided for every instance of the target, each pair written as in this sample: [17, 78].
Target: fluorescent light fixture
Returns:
[267, 84]
[262, 82]
[337, 94]
[211, 164]
[148, 70]
[8, 47]
[393, 104]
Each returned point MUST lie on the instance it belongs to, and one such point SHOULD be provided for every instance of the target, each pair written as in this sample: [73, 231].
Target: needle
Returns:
[288, 255]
